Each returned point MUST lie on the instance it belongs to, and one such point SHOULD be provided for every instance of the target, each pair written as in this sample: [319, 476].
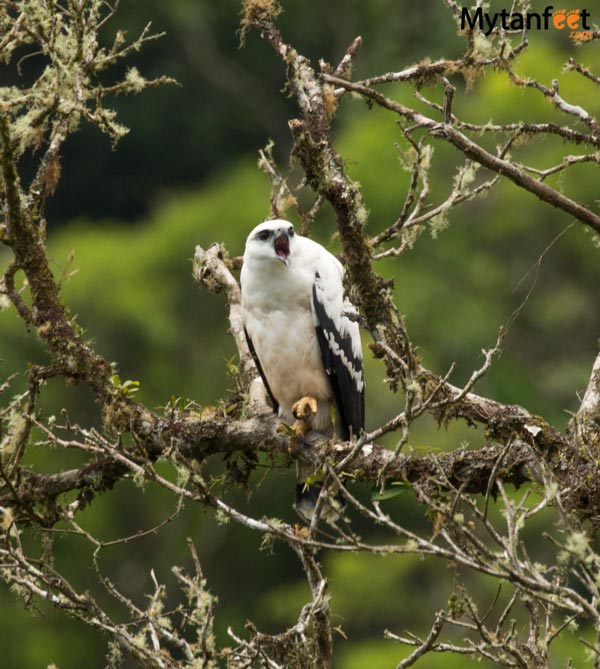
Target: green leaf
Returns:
[399, 488]
[287, 429]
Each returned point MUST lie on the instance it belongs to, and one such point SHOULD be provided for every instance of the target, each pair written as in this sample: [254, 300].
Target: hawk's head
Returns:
[271, 240]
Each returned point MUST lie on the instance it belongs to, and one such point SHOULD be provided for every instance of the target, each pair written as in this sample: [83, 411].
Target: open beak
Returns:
[282, 248]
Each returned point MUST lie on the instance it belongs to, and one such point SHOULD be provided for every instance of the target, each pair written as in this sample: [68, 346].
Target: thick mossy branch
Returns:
[194, 439]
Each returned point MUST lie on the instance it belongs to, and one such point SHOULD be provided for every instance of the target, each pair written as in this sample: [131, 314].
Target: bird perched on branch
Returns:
[303, 335]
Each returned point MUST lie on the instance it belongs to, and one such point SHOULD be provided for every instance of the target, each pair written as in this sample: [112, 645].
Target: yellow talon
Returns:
[304, 407]
[301, 428]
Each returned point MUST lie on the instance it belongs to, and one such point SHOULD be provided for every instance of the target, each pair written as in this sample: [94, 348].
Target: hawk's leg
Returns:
[303, 411]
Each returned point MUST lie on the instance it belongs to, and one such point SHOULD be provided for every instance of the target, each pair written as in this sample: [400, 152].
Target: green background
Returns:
[187, 174]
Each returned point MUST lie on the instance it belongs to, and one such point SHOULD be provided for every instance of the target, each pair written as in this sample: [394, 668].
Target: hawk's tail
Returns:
[308, 491]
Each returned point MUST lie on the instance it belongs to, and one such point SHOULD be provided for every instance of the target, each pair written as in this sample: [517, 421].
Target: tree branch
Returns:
[477, 153]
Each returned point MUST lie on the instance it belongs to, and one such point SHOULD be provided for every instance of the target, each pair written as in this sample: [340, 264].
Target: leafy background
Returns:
[122, 230]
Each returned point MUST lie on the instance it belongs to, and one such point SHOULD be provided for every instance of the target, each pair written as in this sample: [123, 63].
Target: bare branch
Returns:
[478, 154]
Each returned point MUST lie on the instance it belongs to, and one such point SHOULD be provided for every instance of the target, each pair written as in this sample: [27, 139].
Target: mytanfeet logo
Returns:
[575, 21]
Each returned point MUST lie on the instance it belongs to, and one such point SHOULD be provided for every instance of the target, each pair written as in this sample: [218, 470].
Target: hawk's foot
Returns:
[304, 408]
[301, 428]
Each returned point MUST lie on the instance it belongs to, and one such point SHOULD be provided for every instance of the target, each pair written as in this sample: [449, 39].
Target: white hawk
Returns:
[303, 335]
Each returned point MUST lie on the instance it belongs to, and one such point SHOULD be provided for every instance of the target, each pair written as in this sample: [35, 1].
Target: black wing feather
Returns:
[349, 400]
[261, 372]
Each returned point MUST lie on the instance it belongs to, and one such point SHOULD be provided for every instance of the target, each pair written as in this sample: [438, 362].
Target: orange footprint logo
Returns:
[563, 19]
[559, 18]
[573, 18]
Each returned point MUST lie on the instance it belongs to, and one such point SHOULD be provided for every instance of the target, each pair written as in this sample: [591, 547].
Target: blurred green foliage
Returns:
[229, 101]
[135, 297]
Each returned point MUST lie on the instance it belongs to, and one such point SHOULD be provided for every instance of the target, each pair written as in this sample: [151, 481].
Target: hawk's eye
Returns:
[291, 232]
[263, 235]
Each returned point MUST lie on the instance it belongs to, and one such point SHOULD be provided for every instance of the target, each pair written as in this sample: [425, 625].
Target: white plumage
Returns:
[302, 331]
